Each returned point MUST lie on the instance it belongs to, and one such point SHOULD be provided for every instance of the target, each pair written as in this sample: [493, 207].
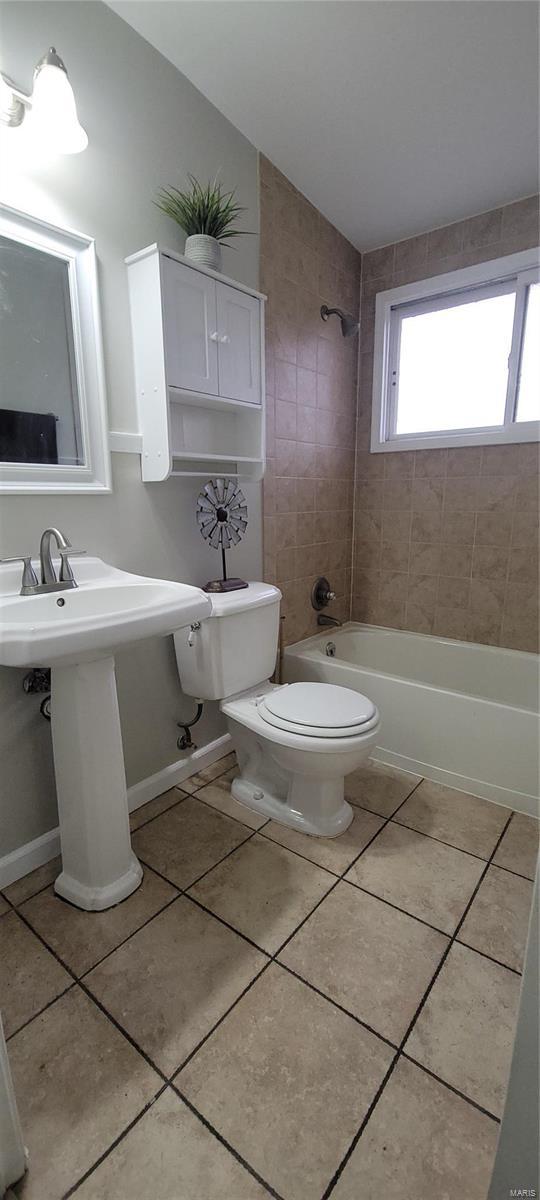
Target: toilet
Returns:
[296, 742]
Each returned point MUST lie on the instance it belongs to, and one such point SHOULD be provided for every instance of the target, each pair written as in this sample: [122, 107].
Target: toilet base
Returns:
[326, 813]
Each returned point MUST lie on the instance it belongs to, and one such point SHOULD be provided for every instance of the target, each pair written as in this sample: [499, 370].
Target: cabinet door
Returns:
[239, 346]
[190, 324]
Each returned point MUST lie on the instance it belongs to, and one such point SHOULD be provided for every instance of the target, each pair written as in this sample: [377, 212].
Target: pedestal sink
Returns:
[76, 633]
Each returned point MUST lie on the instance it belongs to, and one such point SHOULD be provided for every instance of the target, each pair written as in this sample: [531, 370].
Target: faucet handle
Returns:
[29, 578]
[65, 566]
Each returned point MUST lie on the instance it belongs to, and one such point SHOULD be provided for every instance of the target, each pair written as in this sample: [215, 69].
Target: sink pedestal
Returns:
[99, 867]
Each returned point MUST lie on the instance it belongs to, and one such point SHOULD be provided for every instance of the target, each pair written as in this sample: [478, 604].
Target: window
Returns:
[457, 358]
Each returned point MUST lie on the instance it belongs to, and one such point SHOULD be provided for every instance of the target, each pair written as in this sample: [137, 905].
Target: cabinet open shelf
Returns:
[199, 368]
[197, 399]
[216, 464]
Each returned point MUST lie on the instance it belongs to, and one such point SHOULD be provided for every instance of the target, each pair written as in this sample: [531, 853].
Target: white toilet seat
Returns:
[320, 710]
[248, 710]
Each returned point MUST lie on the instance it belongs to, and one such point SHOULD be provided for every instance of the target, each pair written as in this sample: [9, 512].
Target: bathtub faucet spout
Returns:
[325, 619]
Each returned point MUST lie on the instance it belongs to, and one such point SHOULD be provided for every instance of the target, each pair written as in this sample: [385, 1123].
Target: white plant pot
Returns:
[204, 249]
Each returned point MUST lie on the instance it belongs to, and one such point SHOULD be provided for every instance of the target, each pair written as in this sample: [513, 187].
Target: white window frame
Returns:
[488, 278]
[93, 475]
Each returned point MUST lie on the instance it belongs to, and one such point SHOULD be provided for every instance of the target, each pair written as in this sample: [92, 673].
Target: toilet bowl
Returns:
[292, 768]
[295, 743]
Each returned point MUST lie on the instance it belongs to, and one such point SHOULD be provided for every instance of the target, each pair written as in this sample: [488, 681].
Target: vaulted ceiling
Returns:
[392, 116]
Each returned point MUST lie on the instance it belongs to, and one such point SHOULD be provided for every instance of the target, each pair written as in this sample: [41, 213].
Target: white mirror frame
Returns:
[79, 252]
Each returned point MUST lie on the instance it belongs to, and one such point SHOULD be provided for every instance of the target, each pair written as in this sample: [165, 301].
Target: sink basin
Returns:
[76, 633]
[108, 609]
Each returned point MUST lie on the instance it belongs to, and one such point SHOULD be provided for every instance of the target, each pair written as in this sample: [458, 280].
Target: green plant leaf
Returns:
[207, 209]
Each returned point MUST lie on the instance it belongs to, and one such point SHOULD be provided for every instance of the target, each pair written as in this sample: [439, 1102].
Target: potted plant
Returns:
[206, 215]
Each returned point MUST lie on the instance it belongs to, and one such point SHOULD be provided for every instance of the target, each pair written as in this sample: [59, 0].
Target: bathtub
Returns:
[459, 713]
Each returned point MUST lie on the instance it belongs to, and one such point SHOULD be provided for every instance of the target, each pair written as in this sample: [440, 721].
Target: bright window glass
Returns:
[528, 401]
[453, 366]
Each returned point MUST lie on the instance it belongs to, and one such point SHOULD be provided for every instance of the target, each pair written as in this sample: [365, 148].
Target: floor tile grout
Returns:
[451, 845]
[397, 907]
[124, 1033]
[498, 961]
[209, 912]
[82, 1179]
[40, 1011]
[214, 808]
[228, 1145]
[272, 958]
[335, 1177]
[433, 1075]
[509, 871]
[341, 1008]
[177, 1071]
[129, 936]
[411, 1025]
[169, 808]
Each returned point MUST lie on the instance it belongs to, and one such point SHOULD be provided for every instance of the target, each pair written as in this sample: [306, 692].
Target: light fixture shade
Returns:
[52, 121]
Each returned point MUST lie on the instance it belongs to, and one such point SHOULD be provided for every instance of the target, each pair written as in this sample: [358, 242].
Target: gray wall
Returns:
[147, 126]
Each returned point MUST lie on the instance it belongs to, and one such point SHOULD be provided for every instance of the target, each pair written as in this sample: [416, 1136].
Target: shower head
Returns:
[349, 326]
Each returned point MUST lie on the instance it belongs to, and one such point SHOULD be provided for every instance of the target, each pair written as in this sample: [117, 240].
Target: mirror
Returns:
[53, 428]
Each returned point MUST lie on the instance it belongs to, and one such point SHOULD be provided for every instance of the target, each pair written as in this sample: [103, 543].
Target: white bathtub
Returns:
[456, 712]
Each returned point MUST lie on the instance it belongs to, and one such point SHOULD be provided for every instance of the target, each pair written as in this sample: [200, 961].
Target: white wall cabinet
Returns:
[198, 341]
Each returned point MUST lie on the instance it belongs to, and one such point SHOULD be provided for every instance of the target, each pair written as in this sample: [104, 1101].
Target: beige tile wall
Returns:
[311, 402]
[446, 541]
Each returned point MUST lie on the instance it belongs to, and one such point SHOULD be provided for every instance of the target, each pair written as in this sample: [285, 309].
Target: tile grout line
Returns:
[82, 1179]
[129, 936]
[169, 808]
[450, 1086]
[339, 875]
[40, 1011]
[209, 912]
[214, 809]
[164, 1078]
[346, 1011]
[508, 870]
[450, 845]
[177, 1071]
[271, 958]
[412, 1023]
[228, 1146]
[498, 962]
[397, 908]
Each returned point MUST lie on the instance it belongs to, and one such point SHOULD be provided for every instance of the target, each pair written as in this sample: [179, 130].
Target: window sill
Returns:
[525, 431]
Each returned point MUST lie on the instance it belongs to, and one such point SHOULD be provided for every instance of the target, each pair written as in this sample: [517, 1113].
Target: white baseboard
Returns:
[42, 849]
[175, 773]
[520, 802]
[26, 858]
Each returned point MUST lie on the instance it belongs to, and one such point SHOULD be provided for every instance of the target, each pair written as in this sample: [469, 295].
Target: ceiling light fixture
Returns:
[49, 114]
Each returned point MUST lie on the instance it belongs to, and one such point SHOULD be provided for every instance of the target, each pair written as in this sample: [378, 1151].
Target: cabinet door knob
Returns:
[224, 339]
[214, 337]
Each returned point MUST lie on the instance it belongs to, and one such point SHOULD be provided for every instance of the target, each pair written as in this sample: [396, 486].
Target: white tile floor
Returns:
[272, 1014]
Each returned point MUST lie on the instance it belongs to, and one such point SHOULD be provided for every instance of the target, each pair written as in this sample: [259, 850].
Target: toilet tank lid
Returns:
[254, 596]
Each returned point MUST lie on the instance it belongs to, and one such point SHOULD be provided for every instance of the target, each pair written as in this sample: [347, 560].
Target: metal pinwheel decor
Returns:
[222, 519]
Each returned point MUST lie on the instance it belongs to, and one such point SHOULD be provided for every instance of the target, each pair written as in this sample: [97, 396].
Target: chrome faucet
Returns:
[31, 586]
[48, 573]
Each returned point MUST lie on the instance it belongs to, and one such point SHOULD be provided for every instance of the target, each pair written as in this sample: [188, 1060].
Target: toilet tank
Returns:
[235, 647]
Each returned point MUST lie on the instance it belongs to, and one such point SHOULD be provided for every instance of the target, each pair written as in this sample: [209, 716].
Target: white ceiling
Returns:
[392, 116]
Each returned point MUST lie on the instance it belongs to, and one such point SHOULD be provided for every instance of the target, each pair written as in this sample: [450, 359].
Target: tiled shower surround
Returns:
[311, 402]
[445, 541]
